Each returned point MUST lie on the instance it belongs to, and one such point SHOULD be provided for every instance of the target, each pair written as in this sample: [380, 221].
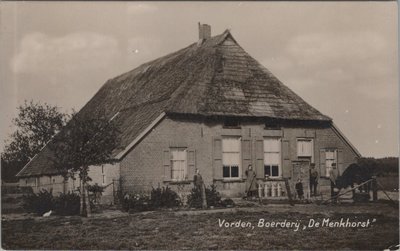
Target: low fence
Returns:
[272, 189]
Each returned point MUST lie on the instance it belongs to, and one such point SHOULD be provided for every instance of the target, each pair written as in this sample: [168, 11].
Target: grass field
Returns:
[200, 229]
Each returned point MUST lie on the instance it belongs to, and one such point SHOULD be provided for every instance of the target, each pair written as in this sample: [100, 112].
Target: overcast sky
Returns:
[341, 57]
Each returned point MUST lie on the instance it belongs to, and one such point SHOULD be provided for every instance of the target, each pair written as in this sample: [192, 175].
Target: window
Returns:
[231, 157]
[272, 157]
[330, 160]
[305, 148]
[178, 164]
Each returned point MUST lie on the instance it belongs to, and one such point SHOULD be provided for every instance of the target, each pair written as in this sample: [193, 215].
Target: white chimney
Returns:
[204, 31]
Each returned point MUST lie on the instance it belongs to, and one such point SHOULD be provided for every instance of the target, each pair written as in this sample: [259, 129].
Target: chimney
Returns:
[204, 31]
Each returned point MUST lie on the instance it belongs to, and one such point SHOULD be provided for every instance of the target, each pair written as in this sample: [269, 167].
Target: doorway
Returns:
[301, 171]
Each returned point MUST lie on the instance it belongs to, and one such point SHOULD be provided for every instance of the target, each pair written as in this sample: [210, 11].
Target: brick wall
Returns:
[110, 180]
[57, 185]
[144, 166]
[45, 182]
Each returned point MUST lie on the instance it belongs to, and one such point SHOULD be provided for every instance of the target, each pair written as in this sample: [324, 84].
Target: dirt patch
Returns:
[177, 230]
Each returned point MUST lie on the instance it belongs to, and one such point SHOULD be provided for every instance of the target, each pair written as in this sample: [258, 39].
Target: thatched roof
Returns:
[214, 77]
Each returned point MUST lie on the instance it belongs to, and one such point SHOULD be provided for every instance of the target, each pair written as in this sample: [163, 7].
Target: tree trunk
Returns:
[82, 199]
[203, 196]
[65, 180]
[87, 202]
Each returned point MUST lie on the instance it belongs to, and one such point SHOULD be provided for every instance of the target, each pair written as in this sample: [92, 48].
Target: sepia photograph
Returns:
[254, 125]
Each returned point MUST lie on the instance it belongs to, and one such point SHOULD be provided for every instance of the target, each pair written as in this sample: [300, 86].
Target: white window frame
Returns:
[185, 163]
[299, 155]
[239, 139]
[279, 157]
[329, 168]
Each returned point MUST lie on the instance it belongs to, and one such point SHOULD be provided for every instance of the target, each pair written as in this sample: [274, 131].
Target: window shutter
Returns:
[259, 152]
[340, 165]
[312, 151]
[299, 147]
[246, 155]
[167, 164]
[286, 167]
[191, 157]
[285, 149]
[322, 167]
[217, 158]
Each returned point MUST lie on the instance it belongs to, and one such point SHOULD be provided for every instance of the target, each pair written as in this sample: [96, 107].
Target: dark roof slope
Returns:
[215, 78]
[212, 77]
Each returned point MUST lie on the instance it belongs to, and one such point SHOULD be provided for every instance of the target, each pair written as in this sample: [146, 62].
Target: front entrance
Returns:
[301, 171]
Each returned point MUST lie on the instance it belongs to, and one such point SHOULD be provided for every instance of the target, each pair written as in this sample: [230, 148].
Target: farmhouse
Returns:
[213, 107]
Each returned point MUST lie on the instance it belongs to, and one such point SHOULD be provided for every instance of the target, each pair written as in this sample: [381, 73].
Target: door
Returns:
[301, 170]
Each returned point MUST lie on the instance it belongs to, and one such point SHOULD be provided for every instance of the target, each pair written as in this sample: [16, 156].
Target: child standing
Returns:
[299, 189]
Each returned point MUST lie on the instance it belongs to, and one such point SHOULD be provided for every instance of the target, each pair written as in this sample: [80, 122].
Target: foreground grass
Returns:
[171, 230]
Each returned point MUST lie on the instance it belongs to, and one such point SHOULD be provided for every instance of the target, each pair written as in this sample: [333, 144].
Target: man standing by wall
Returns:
[333, 174]
[251, 186]
[313, 180]
[199, 184]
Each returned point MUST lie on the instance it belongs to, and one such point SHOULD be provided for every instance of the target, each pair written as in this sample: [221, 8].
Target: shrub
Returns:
[227, 203]
[136, 202]
[194, 198]
[159, 198]
[95, 188]
[95, 193]
[164, 197]
[212, 196]
[67, 204]
[42, 202]
[39, 203]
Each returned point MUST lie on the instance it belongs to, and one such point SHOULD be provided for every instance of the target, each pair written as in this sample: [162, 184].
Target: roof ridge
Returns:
[225, 34]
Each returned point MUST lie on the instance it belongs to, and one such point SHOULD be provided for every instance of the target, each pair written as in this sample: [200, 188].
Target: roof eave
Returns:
[121, 154]
[346, 140]
[323, 117]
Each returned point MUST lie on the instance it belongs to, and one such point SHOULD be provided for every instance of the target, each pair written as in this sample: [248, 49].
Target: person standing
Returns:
[313, 180]
[199, 184]
[299, 189]
[333, 177]
[251, 186]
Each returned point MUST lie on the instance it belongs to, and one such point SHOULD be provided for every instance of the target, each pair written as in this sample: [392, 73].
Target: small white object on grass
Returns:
[47, 214]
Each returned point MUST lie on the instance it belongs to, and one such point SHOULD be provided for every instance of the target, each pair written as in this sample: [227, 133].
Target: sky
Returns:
[340, 57]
